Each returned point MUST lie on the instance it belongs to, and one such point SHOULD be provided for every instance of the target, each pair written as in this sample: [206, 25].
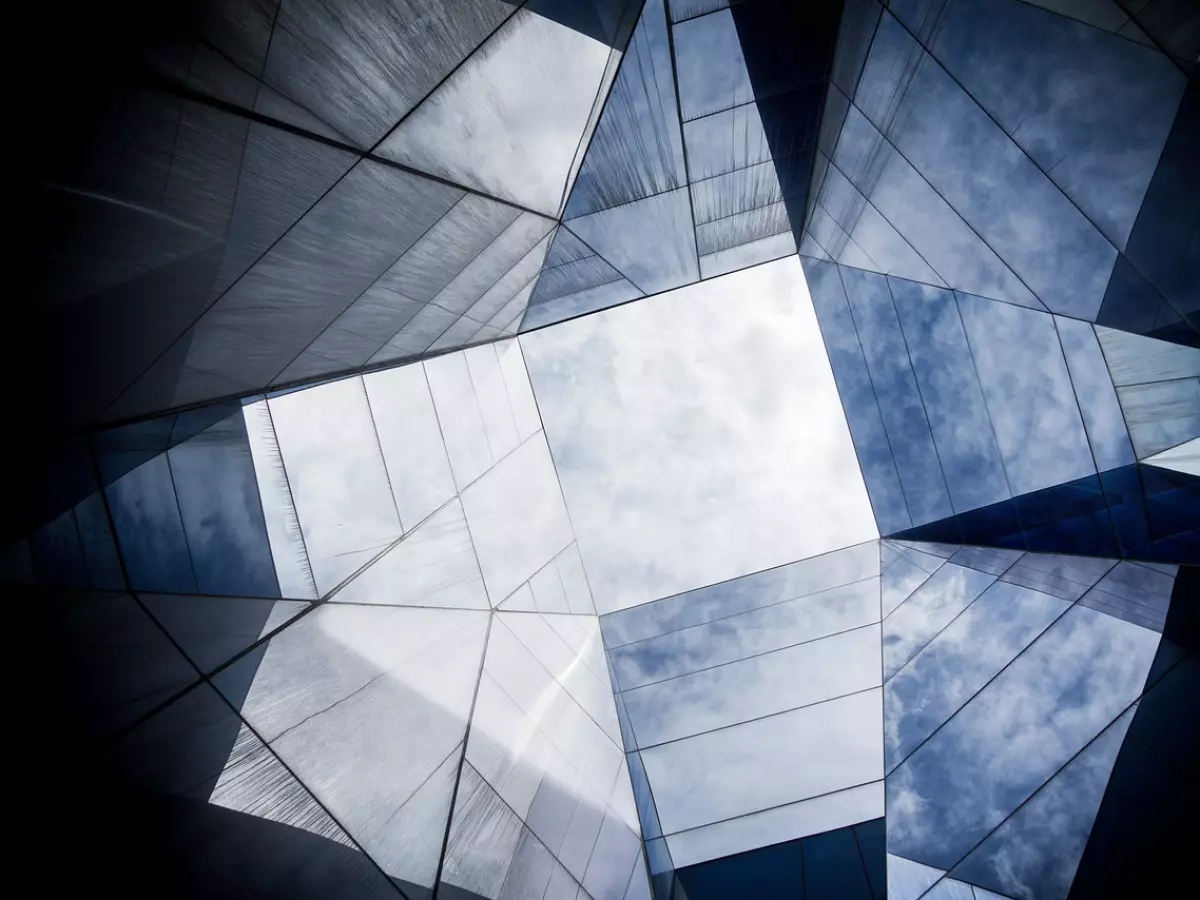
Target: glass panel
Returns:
[1101, 144]
[840, 739]
[651, 242]
[900, 402]
[233, 813]
[388, 687]
[1067, 262]
[214, 479]
[1036, 852]
[117, 662]
[212, 630]
[410, 438]
[953, 400]
[743, 594]
[934, 229]
[636, 149]
[858, 397]
[145, 513]
[530, 91]
[1030, 720]
[710, 66]
[833, 867]
[773, 826]
[362, 68]
[305, 280]
[959, 662]
[1028, 392]
[434, 565]
[870, 230]
[733, 637]
[931, 608]
[758, 686]
[653, 518]
[336, 473]
[517, 517]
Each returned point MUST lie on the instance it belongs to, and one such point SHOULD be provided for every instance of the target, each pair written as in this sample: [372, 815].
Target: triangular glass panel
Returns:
[1016, 732]
[1183, 458]
[908, 880]
[1034, 854]
[529, 90]
[391, 688]
[636, 150]
[650, 241]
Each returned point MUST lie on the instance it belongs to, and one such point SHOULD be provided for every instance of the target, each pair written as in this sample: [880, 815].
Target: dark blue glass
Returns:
[770, 873]
[858, 396]
[900, 401]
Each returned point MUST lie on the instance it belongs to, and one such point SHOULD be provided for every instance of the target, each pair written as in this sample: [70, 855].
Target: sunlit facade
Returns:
[619, 450]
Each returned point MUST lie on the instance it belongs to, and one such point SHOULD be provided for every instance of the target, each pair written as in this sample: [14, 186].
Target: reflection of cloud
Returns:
[1001, 746]
[698, 435]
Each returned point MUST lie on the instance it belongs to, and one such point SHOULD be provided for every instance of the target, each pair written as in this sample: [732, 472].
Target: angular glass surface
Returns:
[1027, 388]
[237, 815]
[388, 687]
[653, 514]
[433, 565]
[809, 576]
[1061, 692]
[858, 397]
[1100, 145]
[951, 668]
[711, 67]
[509, 121]
[895, 387]
[935, 229]
[636, 148]
[651, 242]
[1035, 853]
[337, 477]
[840, 739]
[950, 390]
[908, 880]
[212, 630]
[757, 686]
[773, 826]
[1064, 260]
[929, 609]
[517, 518]
[729, 638]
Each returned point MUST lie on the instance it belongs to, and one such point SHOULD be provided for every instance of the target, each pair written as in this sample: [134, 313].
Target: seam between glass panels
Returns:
[920, 396]
[1087, 433]
[687, 171]
[930, 55]
[1072, 605]
[374, 282]
[743, 612]
[945, 285]
[761, 653]
[205, 680]
[771, 715]
[570, 696]
[834, 792]
[462, 760]
[362, 155]
[883, 137]
[874, 394]
[1134, 702]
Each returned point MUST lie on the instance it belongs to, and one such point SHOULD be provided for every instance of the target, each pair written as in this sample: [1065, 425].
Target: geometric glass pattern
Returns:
[611, 449]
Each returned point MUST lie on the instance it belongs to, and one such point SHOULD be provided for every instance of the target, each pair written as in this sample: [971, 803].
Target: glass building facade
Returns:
[613, 450]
